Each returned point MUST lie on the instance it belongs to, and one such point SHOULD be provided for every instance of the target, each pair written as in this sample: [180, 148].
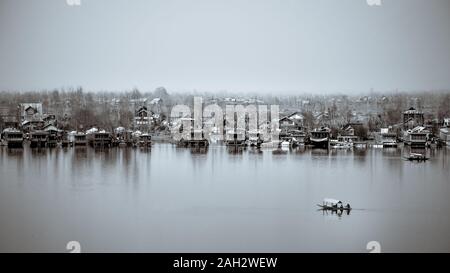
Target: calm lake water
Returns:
[176, 200]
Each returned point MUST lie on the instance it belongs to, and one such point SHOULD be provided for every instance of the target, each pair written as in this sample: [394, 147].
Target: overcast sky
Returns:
[213, 45]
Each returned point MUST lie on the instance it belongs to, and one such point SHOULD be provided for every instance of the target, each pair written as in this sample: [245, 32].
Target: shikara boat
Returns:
[334, 205]
[416, 157]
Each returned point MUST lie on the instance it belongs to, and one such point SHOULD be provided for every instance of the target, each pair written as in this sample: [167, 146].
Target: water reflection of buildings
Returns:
[199, 150]
[254, 150]
[16, 152]
[391, 152]
[280, 151]
[360, 153]
[235, 149]
[299, 150]
[320, 152]
[39, 151]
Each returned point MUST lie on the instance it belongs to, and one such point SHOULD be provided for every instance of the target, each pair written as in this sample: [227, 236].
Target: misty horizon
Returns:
[283, 47]
[222, 93]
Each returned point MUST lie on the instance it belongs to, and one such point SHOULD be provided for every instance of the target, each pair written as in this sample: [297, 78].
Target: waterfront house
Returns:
[292, 129]
[33, 124]
[412, 118]
[291, 122]
[9, 117]
[30, 111]
[142, 118]
[156, 105]
[49, 119]
[388, 138]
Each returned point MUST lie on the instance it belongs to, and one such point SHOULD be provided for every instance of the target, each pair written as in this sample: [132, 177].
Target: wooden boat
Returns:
[334, 205]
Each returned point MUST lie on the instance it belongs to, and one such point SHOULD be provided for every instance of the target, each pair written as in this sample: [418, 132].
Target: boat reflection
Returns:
[337, 213]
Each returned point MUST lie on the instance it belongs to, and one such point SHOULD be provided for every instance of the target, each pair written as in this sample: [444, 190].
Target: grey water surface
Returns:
[169, 199]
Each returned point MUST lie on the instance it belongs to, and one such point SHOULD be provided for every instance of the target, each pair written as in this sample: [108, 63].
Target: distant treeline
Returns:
[76, 107]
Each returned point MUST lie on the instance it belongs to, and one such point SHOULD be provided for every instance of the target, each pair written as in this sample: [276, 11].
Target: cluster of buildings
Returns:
[413, 130]
[327, 126]
[29, 122]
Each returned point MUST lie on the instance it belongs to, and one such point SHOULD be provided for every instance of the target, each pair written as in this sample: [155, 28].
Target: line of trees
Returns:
[76, 107]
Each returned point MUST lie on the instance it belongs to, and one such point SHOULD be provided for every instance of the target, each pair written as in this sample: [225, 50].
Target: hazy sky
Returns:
[214, 45]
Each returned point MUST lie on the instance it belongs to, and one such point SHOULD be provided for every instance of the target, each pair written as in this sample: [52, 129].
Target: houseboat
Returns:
[38, 139]
[122, 137]
[297, 138]
[293, 137]
[389, 140]
[13, 138]
[52, 138]
[196, 140]
[254, 139]
[444, 136]
[444, 133]
[360, 144]
[336, 144]
[416, 137]
[99, 139]
[79, 139]
[145, 141]
[343, 142]
[320, 137]
[235, 138]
